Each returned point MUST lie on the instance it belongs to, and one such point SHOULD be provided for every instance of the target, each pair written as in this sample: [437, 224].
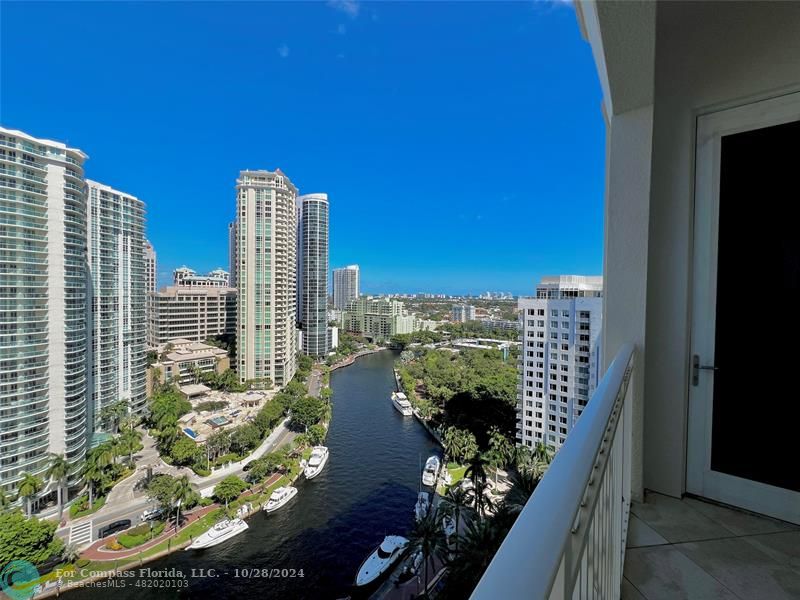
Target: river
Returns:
[367, 490]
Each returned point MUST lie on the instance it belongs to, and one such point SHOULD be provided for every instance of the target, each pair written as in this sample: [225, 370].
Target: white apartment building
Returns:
[378, 318]
[186, 277]
[43, 305]
[266, 274]
[461, 313]
[559, 361]
[117, 353]
[346, 282]
[191, 313]
[150, 267]
[312, 276]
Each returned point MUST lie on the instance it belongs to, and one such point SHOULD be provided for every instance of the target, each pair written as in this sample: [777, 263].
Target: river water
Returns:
[367, 490]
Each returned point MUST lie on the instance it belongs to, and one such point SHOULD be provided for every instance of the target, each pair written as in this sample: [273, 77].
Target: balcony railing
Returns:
[569, 540]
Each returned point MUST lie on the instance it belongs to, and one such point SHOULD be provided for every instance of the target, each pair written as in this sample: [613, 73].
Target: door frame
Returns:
[700, 479]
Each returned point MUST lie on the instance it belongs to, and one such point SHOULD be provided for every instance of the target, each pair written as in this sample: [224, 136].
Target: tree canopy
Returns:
[27, 539]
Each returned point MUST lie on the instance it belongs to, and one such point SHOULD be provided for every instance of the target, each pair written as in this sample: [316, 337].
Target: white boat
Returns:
[222, 531]
[316, 462]
[279, 497]
[431, 471]
[422, 505]
[402, 404]
[381, 559]
[449, 525]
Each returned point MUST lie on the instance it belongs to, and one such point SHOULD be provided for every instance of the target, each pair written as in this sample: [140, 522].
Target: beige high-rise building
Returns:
[192, 313]
[150, 266]
[266, 276]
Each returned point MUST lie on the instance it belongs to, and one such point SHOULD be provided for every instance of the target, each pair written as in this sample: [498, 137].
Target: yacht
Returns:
[422, 505]
[224, 530]
[381, 559]
[279, 497]
[430, 471]
[402, 404]
[316, 462]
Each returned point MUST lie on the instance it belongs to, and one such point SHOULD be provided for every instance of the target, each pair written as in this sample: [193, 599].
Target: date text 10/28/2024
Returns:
[174, 577]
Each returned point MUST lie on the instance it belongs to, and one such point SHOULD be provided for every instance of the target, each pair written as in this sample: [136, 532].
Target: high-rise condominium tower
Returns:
[345, 286]
[150, 266]
[266, 274]
[560, 356]
[312, 278]
[117, 354]
[43, 305]
[232, 252]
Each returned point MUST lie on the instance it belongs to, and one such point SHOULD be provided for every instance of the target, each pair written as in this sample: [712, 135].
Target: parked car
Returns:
[151, 514]
[113, 528]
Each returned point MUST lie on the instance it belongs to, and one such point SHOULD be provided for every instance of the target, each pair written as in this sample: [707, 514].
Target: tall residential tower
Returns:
[560, 356]
[266, 276]
[345, 286]
[117, 355]
[150, 268]
[43, 305]
[312, 277]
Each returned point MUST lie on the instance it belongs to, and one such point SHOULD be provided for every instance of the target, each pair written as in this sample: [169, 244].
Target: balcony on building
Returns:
[680, 479]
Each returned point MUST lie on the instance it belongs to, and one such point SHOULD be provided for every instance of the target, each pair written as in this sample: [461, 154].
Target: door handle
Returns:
[697, 367]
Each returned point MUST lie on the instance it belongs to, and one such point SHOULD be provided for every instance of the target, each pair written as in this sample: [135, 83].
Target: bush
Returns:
[226, 458]
[80, 506]
[201, 471]
[140, 534]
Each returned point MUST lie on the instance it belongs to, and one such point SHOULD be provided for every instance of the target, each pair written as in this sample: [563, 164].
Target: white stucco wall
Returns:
[708, 56]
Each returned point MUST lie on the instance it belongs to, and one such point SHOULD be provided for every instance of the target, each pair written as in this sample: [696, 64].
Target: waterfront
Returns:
[367, 489]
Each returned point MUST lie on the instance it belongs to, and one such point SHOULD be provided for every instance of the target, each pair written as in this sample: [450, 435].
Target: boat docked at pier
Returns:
[382, 559]
[316, 462]
[422, 506]
[280, 497]
[402, 404]
[431, 471]
[220, 532]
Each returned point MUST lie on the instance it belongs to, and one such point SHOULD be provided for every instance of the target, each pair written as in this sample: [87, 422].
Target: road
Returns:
[126, 502]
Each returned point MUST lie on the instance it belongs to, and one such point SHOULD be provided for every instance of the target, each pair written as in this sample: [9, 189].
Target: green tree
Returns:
[29, 486]
[316, 435]
[93, 473]
[160, 489]
[183, 495]
[523, 484]
[501, 451]
[428, 537]
[185, 451]
[245, 438]
[229, 489]
[129, 442]
[306, 412]
[58, 471]
[459, 500]
[30, 539]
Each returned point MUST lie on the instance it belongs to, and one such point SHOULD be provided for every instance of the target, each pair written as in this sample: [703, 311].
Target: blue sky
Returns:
[461, 144]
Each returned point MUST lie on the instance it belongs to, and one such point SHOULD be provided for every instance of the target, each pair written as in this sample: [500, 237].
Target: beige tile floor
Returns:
[697, 550]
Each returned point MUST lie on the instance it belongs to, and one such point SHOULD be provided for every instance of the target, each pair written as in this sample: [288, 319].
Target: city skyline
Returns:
[405, 124]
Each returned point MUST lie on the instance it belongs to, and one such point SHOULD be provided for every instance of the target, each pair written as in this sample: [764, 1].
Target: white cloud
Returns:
[348, 7]
[283, 50]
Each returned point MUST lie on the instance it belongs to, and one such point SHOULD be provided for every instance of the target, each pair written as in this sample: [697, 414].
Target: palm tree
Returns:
[458, 499]
[93, 473]
[480, 542]
[428, 537]
[479, 497]
[128, 442]
[500, 451]
[523, 484]
[451, 442]
[181, 493]
[476, 470]
[29, 486]
[543, 452]
[58, 471]
[5, 500]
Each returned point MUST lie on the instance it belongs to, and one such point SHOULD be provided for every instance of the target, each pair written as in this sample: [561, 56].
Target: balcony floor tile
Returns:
[695, 549]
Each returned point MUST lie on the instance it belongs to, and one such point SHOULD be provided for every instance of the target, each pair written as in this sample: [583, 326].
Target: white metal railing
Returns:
[569, 540]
